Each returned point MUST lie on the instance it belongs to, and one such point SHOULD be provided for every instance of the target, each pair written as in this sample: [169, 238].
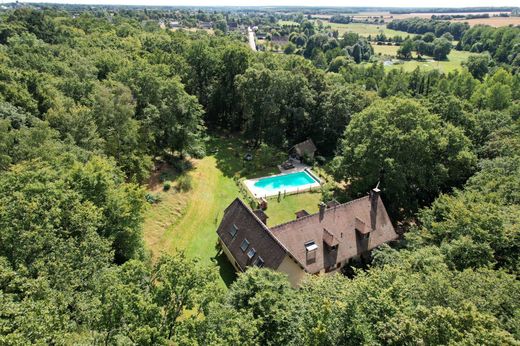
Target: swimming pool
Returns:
[284, 183]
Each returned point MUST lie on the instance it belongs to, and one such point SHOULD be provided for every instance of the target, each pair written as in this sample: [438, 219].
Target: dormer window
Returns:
[311, 249]
[233, 231]
[244, 245]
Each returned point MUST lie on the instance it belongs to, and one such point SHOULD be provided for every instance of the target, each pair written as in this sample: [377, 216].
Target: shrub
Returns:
[167, 185]
[152, 199]
[184, 183]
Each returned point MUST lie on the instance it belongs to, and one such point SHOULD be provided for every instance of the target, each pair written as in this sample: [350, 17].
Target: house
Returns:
[303, 149]
[174, 24]
[318, 243]
[280, 40]
[206, 25]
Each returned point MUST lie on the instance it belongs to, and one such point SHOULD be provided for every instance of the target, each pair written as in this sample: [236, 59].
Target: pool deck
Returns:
[259, 192]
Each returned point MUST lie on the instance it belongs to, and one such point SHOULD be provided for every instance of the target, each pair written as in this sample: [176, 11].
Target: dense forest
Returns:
[90, 102]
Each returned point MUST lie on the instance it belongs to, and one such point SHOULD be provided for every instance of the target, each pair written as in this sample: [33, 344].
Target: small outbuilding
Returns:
[303, 149]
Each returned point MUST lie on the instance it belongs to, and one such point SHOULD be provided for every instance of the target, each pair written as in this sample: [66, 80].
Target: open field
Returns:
[388, 17]
[366, 29]
[493, 21]
[455, 59]
[187, 221]
[287, 22]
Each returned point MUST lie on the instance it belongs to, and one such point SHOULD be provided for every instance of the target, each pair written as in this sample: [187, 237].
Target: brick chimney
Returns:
[322, 207]
[374, 198]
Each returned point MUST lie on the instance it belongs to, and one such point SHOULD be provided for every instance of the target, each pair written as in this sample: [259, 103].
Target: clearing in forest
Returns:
[187, 220]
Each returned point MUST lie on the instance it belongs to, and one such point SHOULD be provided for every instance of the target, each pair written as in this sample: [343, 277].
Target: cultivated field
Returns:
[366, 29]
[493, 21]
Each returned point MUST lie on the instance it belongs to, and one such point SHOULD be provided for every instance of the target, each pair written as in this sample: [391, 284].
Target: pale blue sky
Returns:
[375, 3]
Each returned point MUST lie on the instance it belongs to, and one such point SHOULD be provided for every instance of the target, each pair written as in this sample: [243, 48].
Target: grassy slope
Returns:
[187, 221]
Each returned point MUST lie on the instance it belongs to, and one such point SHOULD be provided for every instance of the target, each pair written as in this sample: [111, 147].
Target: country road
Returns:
[251, 36]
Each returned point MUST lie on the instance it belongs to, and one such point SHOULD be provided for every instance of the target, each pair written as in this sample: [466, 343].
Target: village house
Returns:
[318, 243]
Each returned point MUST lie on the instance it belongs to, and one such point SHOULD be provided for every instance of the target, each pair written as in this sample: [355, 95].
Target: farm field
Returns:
[366, 29]
[493, 21]
[455, 59]
[187, 221]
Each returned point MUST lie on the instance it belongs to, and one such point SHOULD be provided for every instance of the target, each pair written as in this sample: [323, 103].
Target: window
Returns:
[251, 253]
[311, 248]
[259, 262]
[311, 245]
[244, 245]
[233, 230]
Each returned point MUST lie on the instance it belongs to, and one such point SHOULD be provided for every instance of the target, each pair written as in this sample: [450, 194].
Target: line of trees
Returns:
[421, 26]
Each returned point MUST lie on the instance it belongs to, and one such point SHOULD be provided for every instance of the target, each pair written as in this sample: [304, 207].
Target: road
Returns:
[251, 36]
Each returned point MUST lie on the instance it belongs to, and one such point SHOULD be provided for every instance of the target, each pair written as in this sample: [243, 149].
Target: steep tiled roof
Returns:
[337, 226]
[249, 226]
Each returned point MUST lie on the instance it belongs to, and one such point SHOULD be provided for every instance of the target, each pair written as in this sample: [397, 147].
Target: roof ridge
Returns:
[317, 213]
[267, 229]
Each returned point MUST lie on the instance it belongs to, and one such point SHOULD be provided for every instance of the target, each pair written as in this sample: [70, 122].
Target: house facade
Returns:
[317, 243]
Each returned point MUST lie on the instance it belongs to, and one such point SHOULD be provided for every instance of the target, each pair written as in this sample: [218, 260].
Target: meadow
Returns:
[364, 29]
[455, 60]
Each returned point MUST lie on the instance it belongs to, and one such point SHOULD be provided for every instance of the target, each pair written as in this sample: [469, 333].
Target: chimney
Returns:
[261, 215]
[374, 198]
[322, 206]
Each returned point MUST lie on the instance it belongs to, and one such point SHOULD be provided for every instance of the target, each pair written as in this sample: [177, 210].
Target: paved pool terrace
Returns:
[286, 183]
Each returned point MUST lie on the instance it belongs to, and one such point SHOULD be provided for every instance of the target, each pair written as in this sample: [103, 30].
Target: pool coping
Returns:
[259, 193]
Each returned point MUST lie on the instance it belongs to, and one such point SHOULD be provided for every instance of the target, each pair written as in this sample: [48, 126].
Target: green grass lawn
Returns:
[187, 221]
[287, 22]
[283, 211]
[455, 60]
[366, 29]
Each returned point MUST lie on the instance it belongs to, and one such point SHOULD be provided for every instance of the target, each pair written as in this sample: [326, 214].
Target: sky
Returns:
[341, 3]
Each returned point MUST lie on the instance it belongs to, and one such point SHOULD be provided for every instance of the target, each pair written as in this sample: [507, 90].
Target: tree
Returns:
[267, 295]
[441, 48]
[405, 50]
[113, 111]
[180, 284]
[414, 154]
[478, 65]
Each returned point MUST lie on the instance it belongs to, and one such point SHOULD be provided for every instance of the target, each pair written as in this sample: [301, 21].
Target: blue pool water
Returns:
[281, 182]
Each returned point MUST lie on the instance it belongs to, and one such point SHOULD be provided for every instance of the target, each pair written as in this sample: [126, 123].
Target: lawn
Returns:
[283, 211]
[455, 59]
[366, 29]
[288, 22]
[187, 221]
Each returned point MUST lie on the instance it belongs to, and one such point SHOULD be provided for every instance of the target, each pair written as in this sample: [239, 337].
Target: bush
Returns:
[184, 183]
[167, 185]
[181, 165]
[152, 199]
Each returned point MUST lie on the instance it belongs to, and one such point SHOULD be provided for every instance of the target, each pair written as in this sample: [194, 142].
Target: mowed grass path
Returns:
[193, 230]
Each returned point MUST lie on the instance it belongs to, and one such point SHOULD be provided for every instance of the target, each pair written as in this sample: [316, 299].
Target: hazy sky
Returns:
[349, 3]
